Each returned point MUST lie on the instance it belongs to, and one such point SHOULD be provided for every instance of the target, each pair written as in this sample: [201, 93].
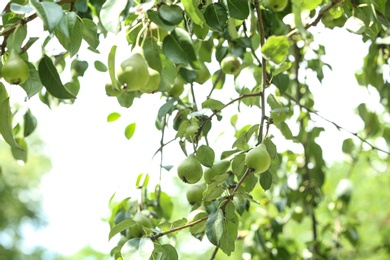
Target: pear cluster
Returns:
[135, 74]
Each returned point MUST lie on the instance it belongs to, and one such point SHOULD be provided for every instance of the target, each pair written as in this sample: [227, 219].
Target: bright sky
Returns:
[92, 159]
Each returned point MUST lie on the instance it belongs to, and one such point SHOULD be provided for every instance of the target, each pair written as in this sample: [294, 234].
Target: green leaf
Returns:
[285, 130]
[205, 155]
[33, 84]
[348, 146]
[166, 108]
[191, 8]
[110, 13]
[178, 47]
[113, 117]
[137, 249]
[129, 130]
[266, 180]
[20, 153]
[213, 190]
[69, 33]
[170, 253]
[214, 227]
[121, 226]
[17, 38]
[152, 50]
[238, 9]
[111, 68]
[30, 123]
[50, 13]
[90, 34]
[216, 16]
[155, 18]
[100, 66]
[307, 4]
[51, 79]
[6, 118]
[213, 104]
[276, 48]
[171, 14]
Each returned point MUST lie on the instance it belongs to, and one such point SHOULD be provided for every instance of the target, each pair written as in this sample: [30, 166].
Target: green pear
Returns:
[142, 221]
[153, 82]
[134, 73]
[190, 170]
[177, 88]
[195, 194]
[258, 159]
[218, 168]
[202, 74]
[276, 5]
[15, 70]
[230, 65]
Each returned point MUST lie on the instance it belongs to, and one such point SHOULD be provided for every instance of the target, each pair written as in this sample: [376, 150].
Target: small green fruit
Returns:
[15, 70]
[195, 194]
[153, 82]
[142, 221]
[191, 132]
[230, 65]
[276, 5]
[202, 74]
[218, 168]
[258, 159]
[134, 72]
[177, 88]
[190, 170]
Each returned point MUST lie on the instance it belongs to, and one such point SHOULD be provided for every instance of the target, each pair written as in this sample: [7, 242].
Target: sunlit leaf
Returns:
[6, 118]
[137, 249]
[191, 7]
[50, 13]
[205, 155]
[213, 104]
[214, 227]
[121, 226]
[276, 48]
[109, 14]
[113, 117]
[129, 130]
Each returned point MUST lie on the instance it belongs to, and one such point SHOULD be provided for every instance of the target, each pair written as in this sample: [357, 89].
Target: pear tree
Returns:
[236, 70]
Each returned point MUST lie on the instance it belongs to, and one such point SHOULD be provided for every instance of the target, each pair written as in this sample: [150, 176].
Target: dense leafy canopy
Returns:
[184, 43]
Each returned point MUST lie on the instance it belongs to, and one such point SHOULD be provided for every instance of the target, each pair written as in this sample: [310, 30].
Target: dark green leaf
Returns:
[30, 123]
[171, 14]
[205, 155]
[216, 16]
[169, 253]
[348, 146]
[238, 9]
[166, 108]
[6, 118]
[266, 180]
[89, 31]
[178, 47]
[51, 79]
[215, 227]
[33, 84]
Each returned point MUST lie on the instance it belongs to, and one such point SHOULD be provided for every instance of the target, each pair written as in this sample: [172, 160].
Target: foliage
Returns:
[185, 42]
[19, 200]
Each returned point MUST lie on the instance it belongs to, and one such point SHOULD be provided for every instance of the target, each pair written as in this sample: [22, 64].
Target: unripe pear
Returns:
[15, 70]
[258, 159]
[190, 170]
[191, 132]
[153, 82]
[142, 221]
[177, 88]
[195, 193]
[134, 72]
[218, 168]
[276, 5]
[202, 74]
[230, 65]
